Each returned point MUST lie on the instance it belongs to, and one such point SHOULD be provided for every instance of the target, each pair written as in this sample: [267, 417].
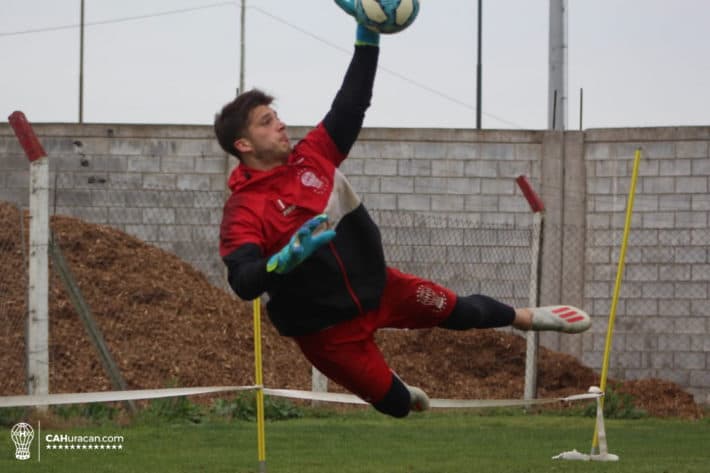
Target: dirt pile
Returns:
[166, 324]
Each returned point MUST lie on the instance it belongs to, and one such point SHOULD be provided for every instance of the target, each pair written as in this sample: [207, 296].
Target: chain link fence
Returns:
[13, 298]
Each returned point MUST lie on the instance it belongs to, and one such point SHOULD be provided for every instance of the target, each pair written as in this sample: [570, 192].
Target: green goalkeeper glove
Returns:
[363, 36]
[302, 245]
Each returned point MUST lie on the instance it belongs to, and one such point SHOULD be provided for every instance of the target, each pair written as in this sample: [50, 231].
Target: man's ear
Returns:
[243, 145]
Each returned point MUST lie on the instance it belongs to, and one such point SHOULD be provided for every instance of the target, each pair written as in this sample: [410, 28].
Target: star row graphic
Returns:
[84, 447]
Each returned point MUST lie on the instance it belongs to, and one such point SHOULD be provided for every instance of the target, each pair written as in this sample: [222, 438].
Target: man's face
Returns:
[265, 143]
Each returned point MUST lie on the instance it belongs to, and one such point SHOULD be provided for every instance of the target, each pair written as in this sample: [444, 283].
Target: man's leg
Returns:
[348, 355]
[479, 311]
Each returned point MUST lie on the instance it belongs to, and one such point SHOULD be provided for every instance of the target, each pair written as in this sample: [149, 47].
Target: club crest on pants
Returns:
[429, 297]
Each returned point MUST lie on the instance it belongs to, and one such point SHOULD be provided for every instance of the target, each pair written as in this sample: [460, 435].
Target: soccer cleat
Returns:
[560, 318]
[419, 400]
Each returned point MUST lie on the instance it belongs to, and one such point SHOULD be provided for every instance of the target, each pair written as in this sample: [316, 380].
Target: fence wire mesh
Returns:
[13, 298]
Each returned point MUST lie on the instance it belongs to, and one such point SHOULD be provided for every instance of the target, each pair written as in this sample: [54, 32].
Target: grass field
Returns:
[363, 441]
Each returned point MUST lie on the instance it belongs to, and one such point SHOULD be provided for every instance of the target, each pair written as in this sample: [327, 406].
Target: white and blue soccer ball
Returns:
[386, 16]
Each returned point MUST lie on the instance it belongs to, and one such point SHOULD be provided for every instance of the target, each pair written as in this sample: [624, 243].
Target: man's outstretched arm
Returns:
[344, 119]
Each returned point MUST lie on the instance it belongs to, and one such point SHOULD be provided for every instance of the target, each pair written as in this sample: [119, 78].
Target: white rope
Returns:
[134, 395]
[110, 396]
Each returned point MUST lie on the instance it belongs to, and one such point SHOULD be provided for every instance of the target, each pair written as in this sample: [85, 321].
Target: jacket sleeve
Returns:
[347, 113]
[246, 272]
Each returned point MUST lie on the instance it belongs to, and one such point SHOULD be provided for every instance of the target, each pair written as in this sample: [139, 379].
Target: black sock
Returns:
[478, 311]
[397, 401]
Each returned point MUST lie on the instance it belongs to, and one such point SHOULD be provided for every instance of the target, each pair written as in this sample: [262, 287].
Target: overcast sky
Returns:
[640, 62]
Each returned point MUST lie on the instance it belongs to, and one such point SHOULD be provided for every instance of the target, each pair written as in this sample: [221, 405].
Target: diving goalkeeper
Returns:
[295, 228]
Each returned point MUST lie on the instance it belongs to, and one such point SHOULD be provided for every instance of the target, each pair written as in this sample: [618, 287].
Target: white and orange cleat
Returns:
[560, 318]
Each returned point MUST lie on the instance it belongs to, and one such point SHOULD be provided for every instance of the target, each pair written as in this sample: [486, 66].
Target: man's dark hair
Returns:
[232, 121]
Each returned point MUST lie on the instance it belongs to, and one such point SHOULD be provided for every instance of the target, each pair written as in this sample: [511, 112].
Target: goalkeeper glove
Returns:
[302, 245]
[363, 36]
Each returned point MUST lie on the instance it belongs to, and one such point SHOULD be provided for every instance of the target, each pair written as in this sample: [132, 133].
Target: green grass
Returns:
[364, 441]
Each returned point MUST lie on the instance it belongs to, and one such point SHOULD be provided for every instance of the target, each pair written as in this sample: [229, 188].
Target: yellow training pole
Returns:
[617, 289]
[259, 379]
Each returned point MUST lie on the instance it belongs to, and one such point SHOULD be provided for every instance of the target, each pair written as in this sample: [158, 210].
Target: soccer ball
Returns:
[386, 16]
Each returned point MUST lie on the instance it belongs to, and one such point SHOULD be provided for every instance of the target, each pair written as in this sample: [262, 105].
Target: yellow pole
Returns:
[259, 379]
[617, 289]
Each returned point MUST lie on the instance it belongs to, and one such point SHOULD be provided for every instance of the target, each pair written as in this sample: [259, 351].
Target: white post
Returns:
[319, 383]
[38, 317]
[532, 338]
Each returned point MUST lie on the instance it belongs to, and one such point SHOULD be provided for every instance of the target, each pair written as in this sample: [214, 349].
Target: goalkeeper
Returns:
[294, 227]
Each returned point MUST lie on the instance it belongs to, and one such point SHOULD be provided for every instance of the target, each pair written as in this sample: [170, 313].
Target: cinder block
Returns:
[657, 185]
[481, 168]
[700, 167]
[380, 167]
[696, 202]
[143, 164]
[125, 181]
[197, 182]
[598, 151]
[414, 167]
[446, 237]
[658, 220]
[498, 186]
[426, 150]
[397, 185]
[659, 150]
[674, 238]
[673, 342]
[123, 215]
[159, 181]
[414, 236]
[380, 201]
[481, 203]
[697, 219]
[463, 151]
[692, 185]
[189, 216]
[497, 151]
[174, 233]
[677, 202]
[147, 233]
[429, 254]
[699, 379]
[449, 203]
[447, 168]
[673, 307]
[177, 164]
[692, 149]
[675, 167]
[413, 202]
[687, 290]
[158, 216]
[210, 165]
[122, 146]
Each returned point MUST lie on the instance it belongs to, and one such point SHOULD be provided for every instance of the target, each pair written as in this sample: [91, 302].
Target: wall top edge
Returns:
[104, 130]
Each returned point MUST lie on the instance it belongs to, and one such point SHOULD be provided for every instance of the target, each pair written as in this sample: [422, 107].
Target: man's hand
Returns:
[363, 36]
[302, 245]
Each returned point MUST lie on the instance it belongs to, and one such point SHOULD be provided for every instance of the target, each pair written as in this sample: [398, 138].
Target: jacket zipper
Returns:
[345, 278]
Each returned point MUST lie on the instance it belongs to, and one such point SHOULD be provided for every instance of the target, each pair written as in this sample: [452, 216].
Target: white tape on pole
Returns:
[134, 395]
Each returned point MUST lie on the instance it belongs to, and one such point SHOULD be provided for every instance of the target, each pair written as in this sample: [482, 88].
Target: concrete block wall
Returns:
[663, 317]
[449, 210]
[164, 184]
